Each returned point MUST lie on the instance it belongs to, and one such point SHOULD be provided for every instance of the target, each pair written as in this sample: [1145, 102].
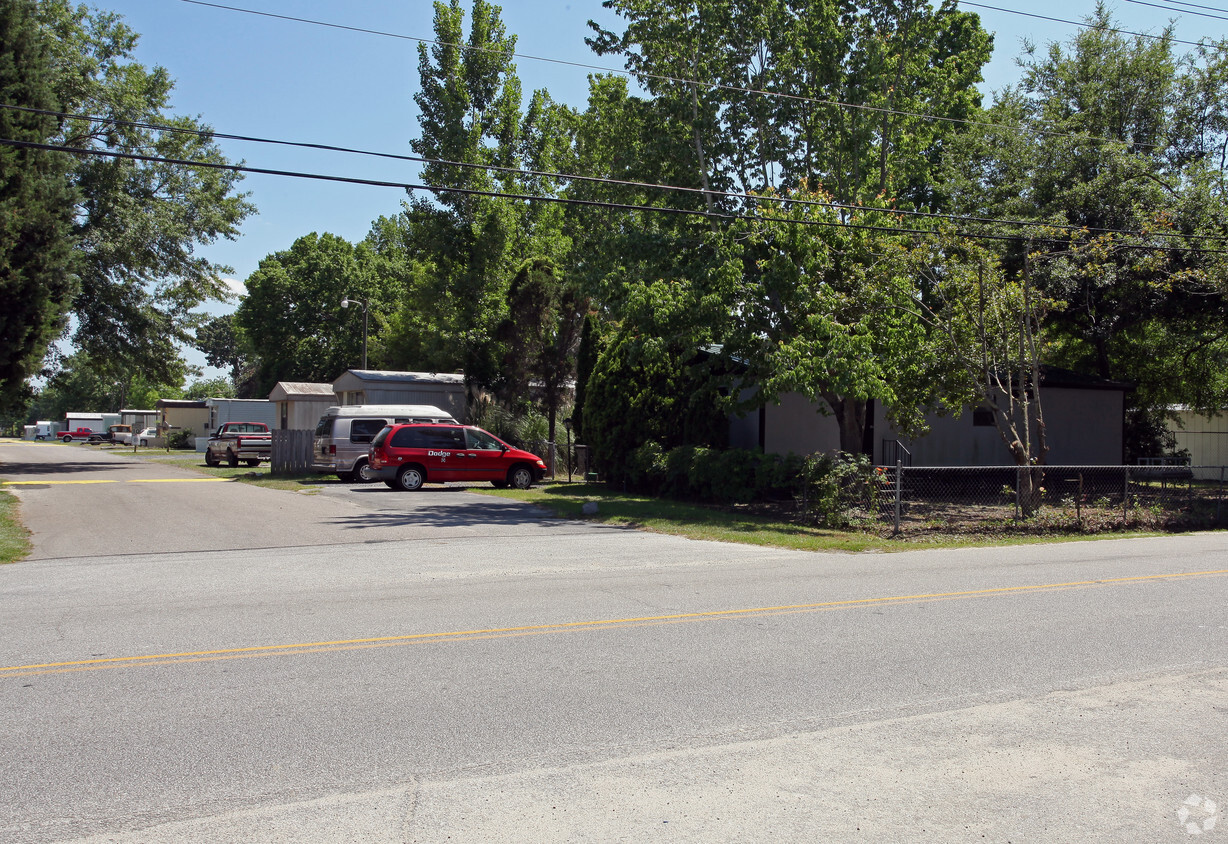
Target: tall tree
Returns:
[540, 336]
[1121, 141]
[37, 261]
[292, 317]
[851, 79]
[138, 223]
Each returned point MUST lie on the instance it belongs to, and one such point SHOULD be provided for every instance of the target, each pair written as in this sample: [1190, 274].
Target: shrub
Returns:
[183, 439]
[836, 487]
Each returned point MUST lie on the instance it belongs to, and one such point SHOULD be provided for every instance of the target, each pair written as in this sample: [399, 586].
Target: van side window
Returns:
[449, 438]
[482, 440]
[325, 426]
[410, 438]
[364, 430]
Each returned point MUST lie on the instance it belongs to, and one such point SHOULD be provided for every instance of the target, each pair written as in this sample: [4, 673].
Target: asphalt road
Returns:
[376, 666]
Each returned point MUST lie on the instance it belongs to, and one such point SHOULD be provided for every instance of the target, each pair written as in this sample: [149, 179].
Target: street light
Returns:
[567, 426]
[345, 303]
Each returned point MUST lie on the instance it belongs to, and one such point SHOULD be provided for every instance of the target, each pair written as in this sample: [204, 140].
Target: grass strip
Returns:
[14, 538]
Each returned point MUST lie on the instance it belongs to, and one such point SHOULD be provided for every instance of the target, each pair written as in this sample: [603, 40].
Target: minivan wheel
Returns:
[521, 477]
[410, 478]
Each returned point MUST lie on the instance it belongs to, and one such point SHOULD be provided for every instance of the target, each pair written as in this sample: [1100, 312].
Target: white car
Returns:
[149, 435]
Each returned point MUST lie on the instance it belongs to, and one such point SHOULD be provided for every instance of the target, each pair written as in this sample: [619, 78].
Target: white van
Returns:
[343, 436]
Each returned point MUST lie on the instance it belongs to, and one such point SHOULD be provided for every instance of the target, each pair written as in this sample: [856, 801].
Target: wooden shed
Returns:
[300, 404]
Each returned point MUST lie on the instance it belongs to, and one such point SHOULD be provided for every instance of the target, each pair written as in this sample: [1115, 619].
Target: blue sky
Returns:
[251, 75]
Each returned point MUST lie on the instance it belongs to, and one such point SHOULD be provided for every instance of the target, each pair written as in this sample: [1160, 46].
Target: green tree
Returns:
[821, 311]
[211, 388]
[223, 346]
[1121, 140]
[856, 76]
[540, 336]
[292, 317]
[37, 261]
[139, 224]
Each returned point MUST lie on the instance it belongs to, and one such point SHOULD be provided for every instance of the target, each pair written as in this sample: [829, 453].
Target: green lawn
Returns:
[14, 538]
[696, 521]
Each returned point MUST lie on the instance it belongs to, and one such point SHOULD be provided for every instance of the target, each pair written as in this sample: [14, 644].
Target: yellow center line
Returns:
[568, 626]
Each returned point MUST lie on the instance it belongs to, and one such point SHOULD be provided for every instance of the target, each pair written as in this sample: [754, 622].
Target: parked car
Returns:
[407, 456]
[78, 434]
[115, 434]
[344, 434]
[147, 436]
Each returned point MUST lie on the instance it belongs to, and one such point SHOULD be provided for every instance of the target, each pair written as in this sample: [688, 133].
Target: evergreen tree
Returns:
[37, 280]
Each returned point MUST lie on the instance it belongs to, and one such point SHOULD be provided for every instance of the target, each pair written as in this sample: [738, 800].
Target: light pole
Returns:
[345, 303]
[567, 426]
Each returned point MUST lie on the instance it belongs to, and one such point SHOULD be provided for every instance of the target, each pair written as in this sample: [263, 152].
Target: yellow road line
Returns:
[567, 626]
[129, 481]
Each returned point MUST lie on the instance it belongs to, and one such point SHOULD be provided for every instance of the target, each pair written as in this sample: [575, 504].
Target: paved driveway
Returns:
[84, 501]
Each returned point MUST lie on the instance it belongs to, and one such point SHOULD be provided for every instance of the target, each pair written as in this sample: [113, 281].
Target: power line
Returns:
[585, 203]
[641, 75]
[839, 206]
[1063, 20]
[1170, 9]
[1195, 6]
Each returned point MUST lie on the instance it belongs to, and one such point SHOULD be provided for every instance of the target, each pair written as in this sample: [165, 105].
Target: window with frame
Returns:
[364, 430]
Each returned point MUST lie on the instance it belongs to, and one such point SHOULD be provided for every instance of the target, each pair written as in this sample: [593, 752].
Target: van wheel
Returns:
[362, 473]
[521, 477]
[410, 478]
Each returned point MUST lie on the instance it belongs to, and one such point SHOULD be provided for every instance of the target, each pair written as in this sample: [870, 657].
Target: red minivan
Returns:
[407, 456]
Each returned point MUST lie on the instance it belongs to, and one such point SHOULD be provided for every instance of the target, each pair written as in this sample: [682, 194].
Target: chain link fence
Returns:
[1038, 499]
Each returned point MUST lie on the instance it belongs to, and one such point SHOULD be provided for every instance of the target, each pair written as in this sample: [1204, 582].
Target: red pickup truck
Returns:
[78, 434]
[250, 442]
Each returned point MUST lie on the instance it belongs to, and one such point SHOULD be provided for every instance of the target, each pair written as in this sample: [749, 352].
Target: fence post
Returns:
[1018, 487]
[899, 483]
[1125, 495]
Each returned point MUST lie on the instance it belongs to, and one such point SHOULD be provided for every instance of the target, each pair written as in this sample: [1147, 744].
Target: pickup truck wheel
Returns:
[210, 460]
[253, 462]
[144, 443]
[410, 478]
[232, 459]
[66, 439]
[520, 477]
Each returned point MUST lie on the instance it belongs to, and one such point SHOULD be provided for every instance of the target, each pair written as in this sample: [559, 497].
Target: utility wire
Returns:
[1195, 6]
[641, 75]
[1171, 9]
[586, 203]
[785, 200]
[1063, 20]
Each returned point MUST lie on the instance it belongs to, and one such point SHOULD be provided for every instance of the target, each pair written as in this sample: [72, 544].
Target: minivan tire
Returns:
[410, 478]
[520, 477]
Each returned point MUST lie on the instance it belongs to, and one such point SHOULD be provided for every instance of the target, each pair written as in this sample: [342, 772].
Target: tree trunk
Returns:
[851, 418]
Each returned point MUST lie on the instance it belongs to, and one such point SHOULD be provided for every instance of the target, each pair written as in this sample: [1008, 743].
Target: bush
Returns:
[183, 439]
[836, 487]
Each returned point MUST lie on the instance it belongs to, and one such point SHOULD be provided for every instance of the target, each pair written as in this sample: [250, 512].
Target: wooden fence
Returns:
[291, 452]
